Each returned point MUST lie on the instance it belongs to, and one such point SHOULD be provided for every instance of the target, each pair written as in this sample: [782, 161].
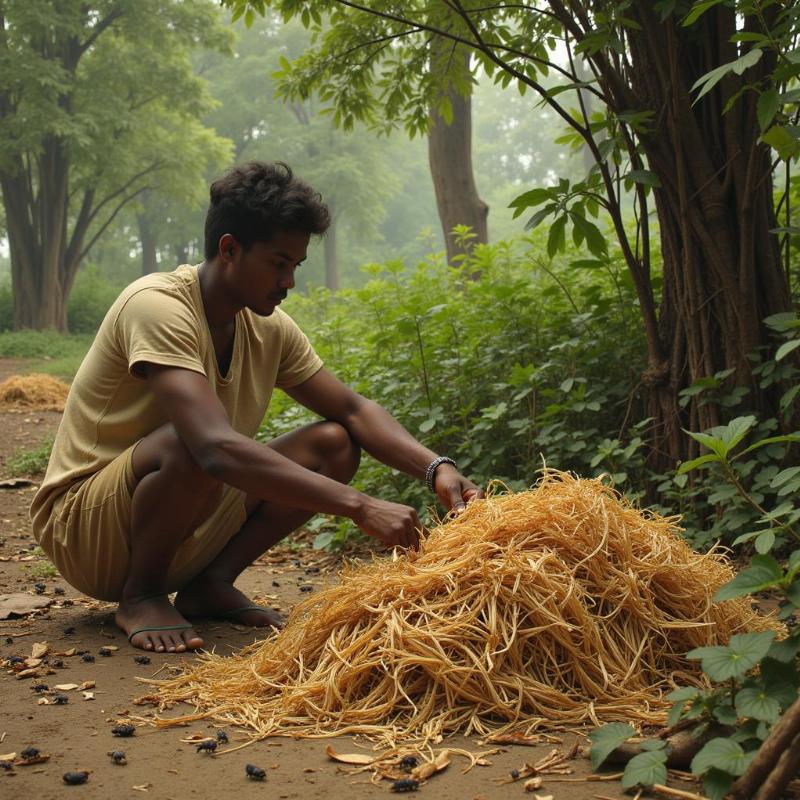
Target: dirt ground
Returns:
[77, 735]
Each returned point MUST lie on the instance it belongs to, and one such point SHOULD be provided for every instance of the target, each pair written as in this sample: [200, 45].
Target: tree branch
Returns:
[114, 14]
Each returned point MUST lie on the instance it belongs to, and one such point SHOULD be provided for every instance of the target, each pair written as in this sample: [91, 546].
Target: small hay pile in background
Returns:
[558, 606]
[33, 392]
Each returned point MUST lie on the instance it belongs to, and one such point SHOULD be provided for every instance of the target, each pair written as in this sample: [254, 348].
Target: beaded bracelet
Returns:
[430, 473]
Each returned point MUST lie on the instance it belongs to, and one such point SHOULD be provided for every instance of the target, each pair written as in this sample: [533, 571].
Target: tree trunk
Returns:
[450, 157]
[722, 273]
[331, 255]
[43, 265]
[149, 244]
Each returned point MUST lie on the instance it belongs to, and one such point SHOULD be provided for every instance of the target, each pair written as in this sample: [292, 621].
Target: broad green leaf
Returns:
[787, 438]
[764, 572]
[786, 649]
[643, 176]
[688, 466]
[786, 348]
[697, 10]
[768, 104]
[726, 715]
[736, 659]
[533, 197]
[645, 769]
[607, 739]
[756, 703]
[782, 140]
[717, 784]
[722, 754]
[764, 542]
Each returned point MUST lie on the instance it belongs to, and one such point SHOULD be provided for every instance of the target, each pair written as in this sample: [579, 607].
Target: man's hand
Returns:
[453, 489]
[392, 523]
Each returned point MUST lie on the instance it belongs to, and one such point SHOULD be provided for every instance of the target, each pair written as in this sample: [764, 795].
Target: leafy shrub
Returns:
[91, 297]
[535, 360]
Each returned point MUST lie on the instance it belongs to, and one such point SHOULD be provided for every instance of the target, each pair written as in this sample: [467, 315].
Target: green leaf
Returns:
[781, 139]
[717, 783]
[556, 239]
[768, 104]
[698, 9]
[786, 348]
[789, 437]
[644, 176]
[786, 649]
[764, 542]
[607, 739]
[736, 659]
[756, 703]
[427, 425]
[645, 769]
[726, 715]
[764, 572]
[722, 754]
[688, 466]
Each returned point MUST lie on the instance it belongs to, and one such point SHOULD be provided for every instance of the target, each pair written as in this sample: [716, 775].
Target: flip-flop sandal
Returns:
[159, 628]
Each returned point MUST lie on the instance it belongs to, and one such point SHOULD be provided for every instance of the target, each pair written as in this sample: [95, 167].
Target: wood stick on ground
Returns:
[677, 793]
[781, 776]
[779, 739]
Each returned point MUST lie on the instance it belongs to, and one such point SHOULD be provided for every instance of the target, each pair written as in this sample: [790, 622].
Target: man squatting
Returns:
[156, 484]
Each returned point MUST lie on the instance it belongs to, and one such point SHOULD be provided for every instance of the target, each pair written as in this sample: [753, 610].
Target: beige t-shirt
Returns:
[160, 318]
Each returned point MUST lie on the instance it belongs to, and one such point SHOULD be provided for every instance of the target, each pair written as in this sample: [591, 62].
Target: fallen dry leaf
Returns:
[67, 653]
[349, 758]
[8, 757]
[20, 604]
[39, 649]
[196, 737]
[88, 695]
[142, 787]
[87, 685]
[424, 771]
[66, 687]
[543, 797]
[32, 663]
[532, 784]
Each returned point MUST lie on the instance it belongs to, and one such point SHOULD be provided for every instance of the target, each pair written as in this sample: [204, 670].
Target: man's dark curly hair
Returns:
[252, 201]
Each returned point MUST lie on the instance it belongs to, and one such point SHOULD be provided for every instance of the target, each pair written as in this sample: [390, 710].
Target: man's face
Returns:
[265, 273]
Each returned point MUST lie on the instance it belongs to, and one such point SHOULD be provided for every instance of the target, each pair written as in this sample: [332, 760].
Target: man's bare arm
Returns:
[203, 425]
[380, 434]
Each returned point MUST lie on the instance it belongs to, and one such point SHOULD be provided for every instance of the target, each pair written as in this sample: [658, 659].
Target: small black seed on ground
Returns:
[125, 729]
[74, 778]
[142, 659]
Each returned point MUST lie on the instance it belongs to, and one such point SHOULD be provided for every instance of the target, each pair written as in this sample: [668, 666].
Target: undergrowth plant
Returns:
[501, 373]
[754, 678]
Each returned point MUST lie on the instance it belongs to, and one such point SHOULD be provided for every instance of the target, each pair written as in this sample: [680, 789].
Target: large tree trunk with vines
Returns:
[450, 157]
[722, 273]
[43, 262]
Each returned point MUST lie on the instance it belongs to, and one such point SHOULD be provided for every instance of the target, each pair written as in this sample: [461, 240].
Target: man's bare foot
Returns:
[209, 597]
[153, 623]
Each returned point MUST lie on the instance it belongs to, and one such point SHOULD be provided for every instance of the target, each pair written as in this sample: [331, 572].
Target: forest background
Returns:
[583, 257]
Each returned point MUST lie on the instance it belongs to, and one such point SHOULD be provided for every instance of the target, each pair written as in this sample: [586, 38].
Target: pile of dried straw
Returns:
[557, 606]
[33, 392]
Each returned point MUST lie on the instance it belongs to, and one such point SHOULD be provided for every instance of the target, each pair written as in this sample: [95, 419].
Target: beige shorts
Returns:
[88, 537]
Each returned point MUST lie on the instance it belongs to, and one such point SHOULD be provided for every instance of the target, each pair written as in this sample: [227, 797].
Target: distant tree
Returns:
[690, 97]
[355, 172]
[98, 104]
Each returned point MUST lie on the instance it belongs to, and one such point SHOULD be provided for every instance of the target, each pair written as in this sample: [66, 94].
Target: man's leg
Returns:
[324, 447]
[164, 511]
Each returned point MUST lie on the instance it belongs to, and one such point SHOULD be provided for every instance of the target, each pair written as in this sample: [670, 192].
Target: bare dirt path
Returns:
[77, 735]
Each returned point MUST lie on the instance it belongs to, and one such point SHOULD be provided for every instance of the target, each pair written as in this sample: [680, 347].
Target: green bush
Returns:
[534, 361]
[91, 297]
